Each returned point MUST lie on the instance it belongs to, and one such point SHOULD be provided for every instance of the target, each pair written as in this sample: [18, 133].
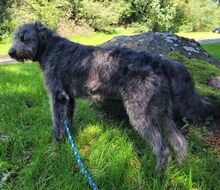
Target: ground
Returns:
[113, 153]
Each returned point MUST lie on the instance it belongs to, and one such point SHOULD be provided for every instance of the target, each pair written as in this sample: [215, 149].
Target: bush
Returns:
[5, 25]
[48, 12]
[205, 14]
[139, 27]
[101, 15]
[157, 15]
[161, 16]
[202, 15]
[104, 15]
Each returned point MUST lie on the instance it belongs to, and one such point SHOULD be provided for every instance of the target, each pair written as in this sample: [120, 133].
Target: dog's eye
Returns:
[22, 38]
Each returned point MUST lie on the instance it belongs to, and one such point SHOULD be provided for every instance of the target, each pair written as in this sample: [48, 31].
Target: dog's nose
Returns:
[12, 52]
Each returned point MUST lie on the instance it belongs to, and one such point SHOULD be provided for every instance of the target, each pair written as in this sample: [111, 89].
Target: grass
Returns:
[199, 35]
[113, 153]
[99, 38]
[213, 49]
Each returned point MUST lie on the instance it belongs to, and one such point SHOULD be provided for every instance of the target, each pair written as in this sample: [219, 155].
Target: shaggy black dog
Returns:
[147, 85]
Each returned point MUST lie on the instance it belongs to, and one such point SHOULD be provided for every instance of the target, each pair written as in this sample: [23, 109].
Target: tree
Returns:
[5, 26]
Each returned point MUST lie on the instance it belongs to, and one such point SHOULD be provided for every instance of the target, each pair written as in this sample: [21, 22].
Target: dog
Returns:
[147, 85]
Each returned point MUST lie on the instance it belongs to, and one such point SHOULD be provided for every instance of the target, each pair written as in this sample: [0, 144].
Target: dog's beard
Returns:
[24, 56]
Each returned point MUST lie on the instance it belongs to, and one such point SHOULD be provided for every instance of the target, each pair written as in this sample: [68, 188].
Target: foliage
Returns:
[17, 12]
[161, 16]
[101, 15]
[205, 14]
[5, 25]
[156, 15]
[30, 10]
[68, 16]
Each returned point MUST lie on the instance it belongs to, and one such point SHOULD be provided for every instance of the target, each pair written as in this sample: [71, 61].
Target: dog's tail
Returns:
[186, 100]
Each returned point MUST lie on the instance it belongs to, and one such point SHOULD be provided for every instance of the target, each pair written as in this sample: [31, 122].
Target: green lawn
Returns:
[113, 153]
[213, 49]
[99, 38]
[199, 35]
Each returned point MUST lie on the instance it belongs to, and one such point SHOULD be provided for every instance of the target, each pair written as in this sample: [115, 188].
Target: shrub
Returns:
[101, 15]
[48, 12]
[202, 15]
[157, 15]
[205, 14]
[104, 15]
[139, 27]
[5, 25]
[161, 16]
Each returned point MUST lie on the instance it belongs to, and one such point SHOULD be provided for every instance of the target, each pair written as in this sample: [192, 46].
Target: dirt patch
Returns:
[212, 137]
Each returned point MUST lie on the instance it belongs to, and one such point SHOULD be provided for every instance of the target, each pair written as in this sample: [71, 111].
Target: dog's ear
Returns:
[41, 30]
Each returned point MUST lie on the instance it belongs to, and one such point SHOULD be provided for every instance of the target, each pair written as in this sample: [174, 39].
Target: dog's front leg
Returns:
[70, 110]
[60, 101]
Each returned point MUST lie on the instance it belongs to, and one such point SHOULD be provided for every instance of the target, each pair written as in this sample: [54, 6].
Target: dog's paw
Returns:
[58, 136]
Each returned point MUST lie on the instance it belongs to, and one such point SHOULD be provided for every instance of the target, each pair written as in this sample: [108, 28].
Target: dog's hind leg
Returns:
[177, 140]
[147, 125]
[145, 115]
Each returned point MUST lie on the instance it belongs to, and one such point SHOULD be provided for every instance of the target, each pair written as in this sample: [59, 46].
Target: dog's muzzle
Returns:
[12, 52]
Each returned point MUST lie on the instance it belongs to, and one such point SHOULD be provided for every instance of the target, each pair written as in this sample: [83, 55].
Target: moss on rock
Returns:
[202, 73]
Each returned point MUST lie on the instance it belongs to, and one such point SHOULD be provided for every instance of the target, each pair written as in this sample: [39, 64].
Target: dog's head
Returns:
[27, 39]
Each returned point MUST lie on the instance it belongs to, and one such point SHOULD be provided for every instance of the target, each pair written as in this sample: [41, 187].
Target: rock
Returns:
[215, 82]
[162, 43]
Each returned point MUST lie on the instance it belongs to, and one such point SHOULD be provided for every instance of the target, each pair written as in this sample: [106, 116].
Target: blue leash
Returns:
[79, 161]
